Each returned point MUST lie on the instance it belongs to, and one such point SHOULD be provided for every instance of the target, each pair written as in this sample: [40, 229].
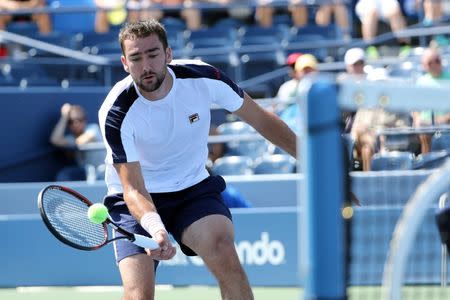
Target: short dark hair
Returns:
[142, 29]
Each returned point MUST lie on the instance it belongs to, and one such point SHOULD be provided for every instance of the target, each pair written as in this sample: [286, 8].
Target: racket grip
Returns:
[145, 242]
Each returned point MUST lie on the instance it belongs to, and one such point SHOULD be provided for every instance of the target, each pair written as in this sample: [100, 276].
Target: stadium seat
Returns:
[88, 40]
[296, 43]
[268, 42]
[68, 83]
[406, 69]
[277, 32]
[258, 63]
[274, 164]
[232, 165]
[283, 20]
[394, 160]
[228, 23]
[38, 81]
[208, 33]
[27, 68]
[440, 141]
[328, 32]
[172, 24]
[73, 22]
[23, 28]
[106, 48]
[237, 127]
[397, 142]
[431, 160]
[224, 62]
[93, 160]
[250, 148]
[91, 156]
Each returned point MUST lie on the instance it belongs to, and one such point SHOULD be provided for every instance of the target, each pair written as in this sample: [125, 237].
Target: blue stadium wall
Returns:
[28, 117]
[266, 236]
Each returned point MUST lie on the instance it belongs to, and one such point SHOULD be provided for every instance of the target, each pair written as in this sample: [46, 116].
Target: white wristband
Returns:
[152, 223]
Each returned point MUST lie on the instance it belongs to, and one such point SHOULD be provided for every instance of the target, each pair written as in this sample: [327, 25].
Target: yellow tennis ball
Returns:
[117, 16]
[97, 213]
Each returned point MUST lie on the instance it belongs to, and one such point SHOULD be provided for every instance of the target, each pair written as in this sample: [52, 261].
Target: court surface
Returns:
[162, 293]
[201, 293]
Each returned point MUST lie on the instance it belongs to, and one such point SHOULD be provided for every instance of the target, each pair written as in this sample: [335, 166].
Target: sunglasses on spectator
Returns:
[434, 61]
[359, 63]
[75, 120]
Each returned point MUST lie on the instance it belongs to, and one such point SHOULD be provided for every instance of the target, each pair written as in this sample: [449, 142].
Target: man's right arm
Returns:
[135, 194]
[142, 208]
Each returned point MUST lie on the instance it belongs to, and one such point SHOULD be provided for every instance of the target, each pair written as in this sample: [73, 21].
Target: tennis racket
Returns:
[64, 212]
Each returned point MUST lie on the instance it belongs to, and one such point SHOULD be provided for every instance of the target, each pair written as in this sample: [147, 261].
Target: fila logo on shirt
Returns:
[194, 118]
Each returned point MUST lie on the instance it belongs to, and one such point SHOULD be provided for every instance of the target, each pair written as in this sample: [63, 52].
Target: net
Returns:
[393, 248]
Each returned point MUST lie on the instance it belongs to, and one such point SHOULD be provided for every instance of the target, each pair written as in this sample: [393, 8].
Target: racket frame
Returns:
[126, 234]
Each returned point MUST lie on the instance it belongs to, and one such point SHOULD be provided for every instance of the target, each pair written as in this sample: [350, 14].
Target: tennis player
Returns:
[155, 125]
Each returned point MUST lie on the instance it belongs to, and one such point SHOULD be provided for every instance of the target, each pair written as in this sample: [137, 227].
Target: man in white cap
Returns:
[355, 60]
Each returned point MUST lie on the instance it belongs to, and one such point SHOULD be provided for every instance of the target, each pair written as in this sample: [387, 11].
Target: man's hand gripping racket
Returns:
[65, 213]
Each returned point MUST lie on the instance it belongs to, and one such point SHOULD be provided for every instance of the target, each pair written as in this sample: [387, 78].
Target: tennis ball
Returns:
[97, 213]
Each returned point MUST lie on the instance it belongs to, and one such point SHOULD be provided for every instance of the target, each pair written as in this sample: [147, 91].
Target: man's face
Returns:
[357, 68]
[433, 64]
[77, 122]
[146, 60]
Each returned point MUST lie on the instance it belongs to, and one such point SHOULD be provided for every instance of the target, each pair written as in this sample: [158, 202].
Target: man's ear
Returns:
[169, 55]
[124, 63]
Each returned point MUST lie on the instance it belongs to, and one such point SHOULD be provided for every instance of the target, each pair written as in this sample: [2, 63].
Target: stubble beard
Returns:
[153, 86]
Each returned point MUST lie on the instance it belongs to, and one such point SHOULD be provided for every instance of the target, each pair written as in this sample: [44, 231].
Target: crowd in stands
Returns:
[278, 25]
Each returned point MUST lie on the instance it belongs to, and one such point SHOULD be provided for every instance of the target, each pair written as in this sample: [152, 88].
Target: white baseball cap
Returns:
[354, 55]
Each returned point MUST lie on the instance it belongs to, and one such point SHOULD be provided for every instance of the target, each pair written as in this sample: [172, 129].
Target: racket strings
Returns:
[68, 216]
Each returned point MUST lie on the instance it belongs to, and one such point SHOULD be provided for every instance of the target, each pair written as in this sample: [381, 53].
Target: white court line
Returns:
[84, 289]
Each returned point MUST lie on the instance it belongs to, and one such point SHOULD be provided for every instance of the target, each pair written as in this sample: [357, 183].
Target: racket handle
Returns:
[145, 242]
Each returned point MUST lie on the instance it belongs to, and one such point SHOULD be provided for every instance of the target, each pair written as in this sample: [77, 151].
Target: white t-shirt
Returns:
[169, 136]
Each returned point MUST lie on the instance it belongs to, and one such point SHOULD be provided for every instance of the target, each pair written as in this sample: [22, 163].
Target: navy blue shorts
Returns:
[178, 210]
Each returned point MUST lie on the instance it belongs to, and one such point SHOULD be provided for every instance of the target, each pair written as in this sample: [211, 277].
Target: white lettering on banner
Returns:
[260, 252]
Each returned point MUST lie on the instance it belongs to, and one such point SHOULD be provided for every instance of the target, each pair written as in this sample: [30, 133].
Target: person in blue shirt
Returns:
[71, 131]
[233, 198]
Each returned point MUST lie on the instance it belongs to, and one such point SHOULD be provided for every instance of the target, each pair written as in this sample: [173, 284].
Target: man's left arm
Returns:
[268, 125]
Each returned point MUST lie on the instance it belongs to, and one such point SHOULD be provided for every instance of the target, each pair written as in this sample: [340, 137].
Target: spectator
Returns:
[366, 125]
[42, 20]
[215, 150]
[289, 88]
[265, 11]
[432, 10]
[337, 9]
[231, 196]
[434, 76]
[299, 13]
[355, 61]
[371, 11]
[305, 65]
[109, 12]
[142, 10]
[73, 119]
